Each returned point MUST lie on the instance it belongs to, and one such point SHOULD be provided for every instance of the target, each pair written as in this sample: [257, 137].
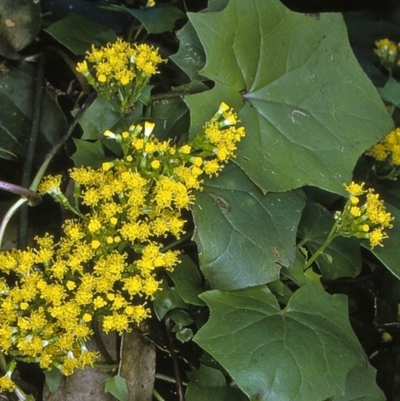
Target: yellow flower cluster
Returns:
[388, 52]
[387, 156]
[389, 148]
[120, 71]
[105, 265]
[366, 220]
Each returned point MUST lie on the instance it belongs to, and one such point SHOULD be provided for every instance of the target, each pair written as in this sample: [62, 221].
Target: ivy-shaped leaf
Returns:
[308, 108]
[303, 352]
[244, 236]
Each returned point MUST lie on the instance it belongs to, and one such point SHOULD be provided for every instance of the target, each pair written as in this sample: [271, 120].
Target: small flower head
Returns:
[387, 156]
[388, 53]
[120, 71]
[50, 185]
[365, 219]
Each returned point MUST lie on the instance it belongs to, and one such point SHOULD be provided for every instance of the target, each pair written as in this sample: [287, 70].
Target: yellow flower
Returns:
[6, 384]
[50, 185]
[386, 337]
[366, 220]
[155, 164]
[376, 236]
[120, 71]
[355, 189]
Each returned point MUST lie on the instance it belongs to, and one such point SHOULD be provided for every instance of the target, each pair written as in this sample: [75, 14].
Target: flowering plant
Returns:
[105, 263]
[221, 209]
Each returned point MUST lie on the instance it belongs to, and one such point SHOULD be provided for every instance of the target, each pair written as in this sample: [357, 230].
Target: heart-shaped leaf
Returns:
[309, 109]
[244, 236]
[303, 352]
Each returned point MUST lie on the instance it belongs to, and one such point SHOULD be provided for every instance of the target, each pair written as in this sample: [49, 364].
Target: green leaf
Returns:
[303, 352]
[117, 387]
[99, 116]
[53, 379]
[16, 99]
[167, 299]
[361, 386]
[184, 335]
[210, 384]
[155, 19]
[20, 21]
[190, 57]
[188, 281]
[181, 318]
[171, 118]
[78, 34]
[391, 92]
[308, 108]
[217, 5]
[244, 236]
[342, 258]
[389, 254]
[88, 153]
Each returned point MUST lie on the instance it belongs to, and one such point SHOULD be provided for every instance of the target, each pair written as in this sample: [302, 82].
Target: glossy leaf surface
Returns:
[309, 109]
[244, 236]
[303, 352]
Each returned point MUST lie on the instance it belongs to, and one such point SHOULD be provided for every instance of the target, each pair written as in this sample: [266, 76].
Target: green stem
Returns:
[157, 396]
[105, 366]
[137, 33]
[3, 362]
[65, 202]
[21, 395]
[8, 215]
[171, 95]
[332, 235]
[168, 379]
